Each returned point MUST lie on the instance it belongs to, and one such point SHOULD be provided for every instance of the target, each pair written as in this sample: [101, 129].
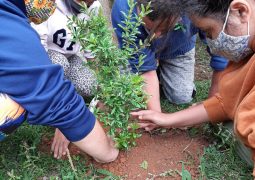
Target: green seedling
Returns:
[121, 93]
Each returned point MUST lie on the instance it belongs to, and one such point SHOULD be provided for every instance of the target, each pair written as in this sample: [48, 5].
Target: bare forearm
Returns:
[152, 89]
[188, 117]
[98, 145]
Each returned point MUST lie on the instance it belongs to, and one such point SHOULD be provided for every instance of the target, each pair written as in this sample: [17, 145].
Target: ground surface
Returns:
[163, 154]
[164, 151]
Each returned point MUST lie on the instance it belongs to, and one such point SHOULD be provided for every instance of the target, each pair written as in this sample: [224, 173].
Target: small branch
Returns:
[71, 163]
[187, 146]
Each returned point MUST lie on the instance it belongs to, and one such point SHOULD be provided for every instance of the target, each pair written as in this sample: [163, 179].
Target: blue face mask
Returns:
[234, 48]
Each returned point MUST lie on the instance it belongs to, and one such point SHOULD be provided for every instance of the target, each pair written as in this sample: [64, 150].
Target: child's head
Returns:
[225, 21]
[163, 16]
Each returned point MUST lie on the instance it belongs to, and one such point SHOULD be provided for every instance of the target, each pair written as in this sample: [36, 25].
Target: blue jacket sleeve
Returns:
[28, 77]
[218, 63]
[149, 62]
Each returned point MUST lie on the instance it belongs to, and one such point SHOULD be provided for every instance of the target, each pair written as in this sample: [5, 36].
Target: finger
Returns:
[144, 117]
[56, 150]
[53, 145]
[144, 121]
[147, 129]
[139, 113]
[60, 150]
[145, 125]
[134, 113]
[65, 148]
[150, 128]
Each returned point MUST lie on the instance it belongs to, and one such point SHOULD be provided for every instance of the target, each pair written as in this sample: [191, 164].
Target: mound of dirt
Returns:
[156, 156]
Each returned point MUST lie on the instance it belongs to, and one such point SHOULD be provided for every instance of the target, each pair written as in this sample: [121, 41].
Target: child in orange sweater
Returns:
[230, 29]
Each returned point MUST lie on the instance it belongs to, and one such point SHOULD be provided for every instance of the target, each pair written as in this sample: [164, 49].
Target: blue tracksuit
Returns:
[174, 44]
[29, 78]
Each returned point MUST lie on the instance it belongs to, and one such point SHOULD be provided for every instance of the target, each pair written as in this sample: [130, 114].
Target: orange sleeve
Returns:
[245, 122]
[214, 109]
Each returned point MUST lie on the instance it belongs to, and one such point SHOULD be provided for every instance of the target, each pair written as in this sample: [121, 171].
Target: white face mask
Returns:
[234, 48]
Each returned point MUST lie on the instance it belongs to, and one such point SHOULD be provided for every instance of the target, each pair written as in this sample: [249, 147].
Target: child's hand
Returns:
[149, 119]
[59, 144]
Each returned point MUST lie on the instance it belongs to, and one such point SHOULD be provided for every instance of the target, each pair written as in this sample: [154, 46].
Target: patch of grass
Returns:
[203, 70]
[219, 160]
[202, 88]
[21, 159]
[216, 164]
[222, 155]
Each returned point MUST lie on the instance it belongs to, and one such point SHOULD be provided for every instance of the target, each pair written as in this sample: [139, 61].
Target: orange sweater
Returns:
[236, 100]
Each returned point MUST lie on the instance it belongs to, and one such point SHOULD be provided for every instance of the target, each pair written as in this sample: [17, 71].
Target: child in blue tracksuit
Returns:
[34, 89]
[173, 54]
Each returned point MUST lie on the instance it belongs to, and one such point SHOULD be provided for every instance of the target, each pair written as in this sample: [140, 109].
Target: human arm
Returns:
[97, 144]
[149, 66]
[152, 89]
[188, 117]
[59, 145]
[31, 80]
[211, 110]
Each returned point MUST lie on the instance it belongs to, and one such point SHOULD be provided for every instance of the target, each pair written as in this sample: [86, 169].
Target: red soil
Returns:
[162, 151]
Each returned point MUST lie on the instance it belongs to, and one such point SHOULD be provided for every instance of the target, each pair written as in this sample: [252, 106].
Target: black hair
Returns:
[74, 7]
[162, 9]
[204, 8]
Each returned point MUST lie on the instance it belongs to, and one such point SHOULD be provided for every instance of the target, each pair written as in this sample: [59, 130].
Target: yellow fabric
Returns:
[236, 100]
[9, 109]
[39, 11]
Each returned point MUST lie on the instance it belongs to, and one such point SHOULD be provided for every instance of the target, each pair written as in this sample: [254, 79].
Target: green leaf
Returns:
[119, 92]
[104, 172]
[185, 174]
[144, 165]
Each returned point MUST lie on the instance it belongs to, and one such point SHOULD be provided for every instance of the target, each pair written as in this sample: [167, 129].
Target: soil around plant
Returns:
[163, 152]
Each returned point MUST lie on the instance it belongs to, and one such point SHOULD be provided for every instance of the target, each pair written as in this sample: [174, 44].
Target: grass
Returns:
[223, 164]
[21, 159]
[219, 160]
